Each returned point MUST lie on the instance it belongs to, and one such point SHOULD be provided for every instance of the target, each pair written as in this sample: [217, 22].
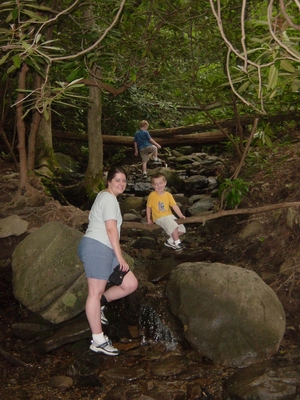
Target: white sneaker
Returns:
[104, 320]
[105, 347]
[173, 245]
[158, 161]
[178, 246]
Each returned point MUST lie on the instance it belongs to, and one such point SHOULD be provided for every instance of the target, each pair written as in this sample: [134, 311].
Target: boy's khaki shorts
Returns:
[169, 224]
[144, 153]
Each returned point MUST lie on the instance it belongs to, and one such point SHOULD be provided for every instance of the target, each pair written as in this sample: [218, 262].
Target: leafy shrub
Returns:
[232, 192]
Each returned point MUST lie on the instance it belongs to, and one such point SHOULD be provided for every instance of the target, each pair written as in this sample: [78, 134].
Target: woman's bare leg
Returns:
[96, 288]
[129, 285]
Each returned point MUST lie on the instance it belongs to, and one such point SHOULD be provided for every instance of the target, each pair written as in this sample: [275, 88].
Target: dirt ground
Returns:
[274, 179]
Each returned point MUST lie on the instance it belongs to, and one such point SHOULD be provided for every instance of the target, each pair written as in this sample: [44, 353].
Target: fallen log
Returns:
[227, 124]
[219, 214]
[183, 135]
[192, 139]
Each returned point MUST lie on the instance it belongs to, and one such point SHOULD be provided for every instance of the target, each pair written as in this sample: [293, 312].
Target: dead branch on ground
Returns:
[12, 359]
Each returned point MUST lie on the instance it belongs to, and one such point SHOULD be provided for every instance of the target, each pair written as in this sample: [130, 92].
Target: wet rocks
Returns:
[61, 381]
[265, 381]
[124, 374]
[205, 203]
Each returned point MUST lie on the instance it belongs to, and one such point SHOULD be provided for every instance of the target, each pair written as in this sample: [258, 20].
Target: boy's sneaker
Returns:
[178, 247]
[158, 161]
[104, 320]
[105, 347]
[145, 175]
[172, 246]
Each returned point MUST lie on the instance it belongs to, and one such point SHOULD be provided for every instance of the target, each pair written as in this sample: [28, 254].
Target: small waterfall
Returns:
[153, 328]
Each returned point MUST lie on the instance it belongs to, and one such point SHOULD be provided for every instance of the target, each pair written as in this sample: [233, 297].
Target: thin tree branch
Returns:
[220, 214]
[286, 16]
[243, 38]
[238, 170]
[243, 56]
[272, 31]
[115, 20]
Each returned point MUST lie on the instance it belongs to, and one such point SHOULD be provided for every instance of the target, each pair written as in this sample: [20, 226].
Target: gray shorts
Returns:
[169, 224]
[144, 153]
[99, 260]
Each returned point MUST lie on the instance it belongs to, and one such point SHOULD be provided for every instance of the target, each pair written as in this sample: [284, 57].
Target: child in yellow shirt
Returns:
[159, 211]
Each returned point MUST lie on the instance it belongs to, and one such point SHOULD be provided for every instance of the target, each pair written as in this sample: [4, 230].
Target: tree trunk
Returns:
[94, 172]
[23, 182]
[45, 158]
[34, 126]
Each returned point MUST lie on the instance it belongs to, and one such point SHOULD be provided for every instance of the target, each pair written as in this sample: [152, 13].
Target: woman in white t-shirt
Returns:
[100, 252]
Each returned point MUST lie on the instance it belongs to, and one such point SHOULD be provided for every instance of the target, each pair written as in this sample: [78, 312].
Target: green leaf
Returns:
[295, 85]
[9, 17]
[46, 114]
[34, 63]
[12, 15]
[4, 58]
[273, 94]
[5, 31]
[75, 82]
[15, 13]
[273, 77]
[78, 85]
[11, 69]
[37, 38]
[133, 76]
[277, 64]
[35, 17]
[243, 87]
[9, 4]
[257, 40]
[17, 61]
[287, 66]
[53, 48]
[25, 45]
[73, 75]
[39, 7]
[268, 141]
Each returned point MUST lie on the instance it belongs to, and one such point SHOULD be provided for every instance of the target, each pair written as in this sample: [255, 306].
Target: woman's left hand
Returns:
[123, 265]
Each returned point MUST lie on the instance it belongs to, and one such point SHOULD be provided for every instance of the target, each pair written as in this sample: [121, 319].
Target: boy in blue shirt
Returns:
[145, 145]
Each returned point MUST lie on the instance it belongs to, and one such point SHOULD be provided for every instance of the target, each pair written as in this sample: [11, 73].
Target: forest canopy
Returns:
[98, 68]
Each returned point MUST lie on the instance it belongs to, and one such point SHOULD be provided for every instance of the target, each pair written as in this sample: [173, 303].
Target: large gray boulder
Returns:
[48, 277]
[229, 314]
